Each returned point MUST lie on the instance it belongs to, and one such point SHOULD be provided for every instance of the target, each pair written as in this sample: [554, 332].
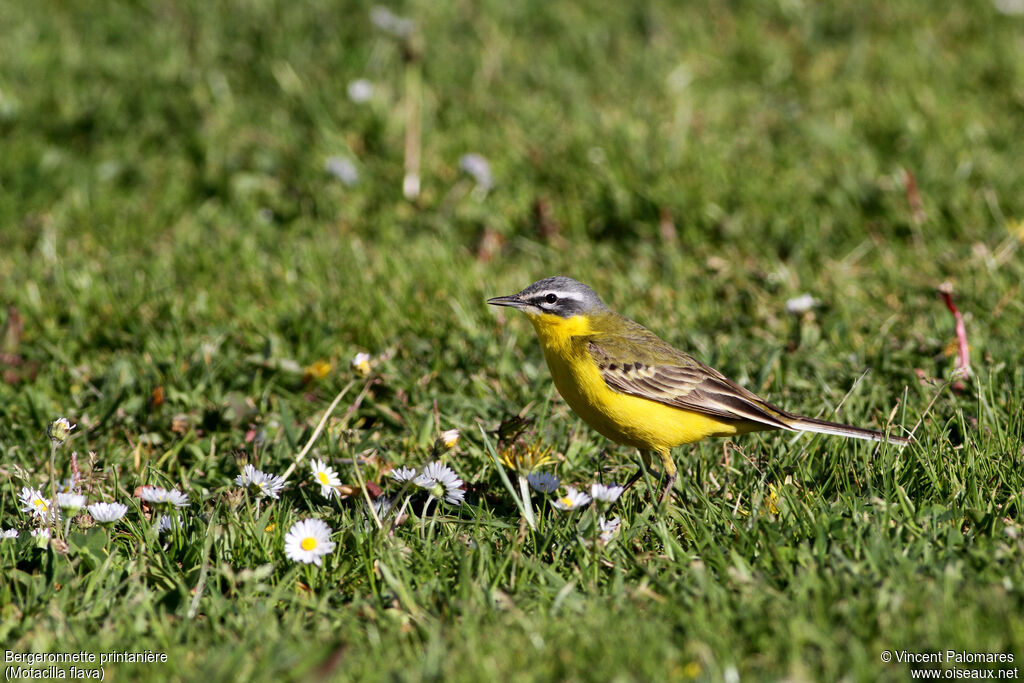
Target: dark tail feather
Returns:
[809, 424]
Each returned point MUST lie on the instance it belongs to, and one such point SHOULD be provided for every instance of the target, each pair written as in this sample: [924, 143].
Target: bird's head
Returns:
[558, 296]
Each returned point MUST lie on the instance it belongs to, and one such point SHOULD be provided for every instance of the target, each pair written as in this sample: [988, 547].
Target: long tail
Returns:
[809, 424]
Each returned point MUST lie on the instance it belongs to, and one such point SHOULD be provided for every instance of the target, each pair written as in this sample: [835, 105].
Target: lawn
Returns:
[209, 210]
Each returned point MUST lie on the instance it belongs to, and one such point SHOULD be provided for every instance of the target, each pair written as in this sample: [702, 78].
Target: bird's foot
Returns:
[666, 490]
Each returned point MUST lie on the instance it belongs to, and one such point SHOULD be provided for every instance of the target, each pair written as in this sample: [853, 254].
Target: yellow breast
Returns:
[626, 419]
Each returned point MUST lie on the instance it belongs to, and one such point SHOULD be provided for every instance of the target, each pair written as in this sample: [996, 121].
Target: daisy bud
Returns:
[449, 439]
[361, 364]
[59, 430]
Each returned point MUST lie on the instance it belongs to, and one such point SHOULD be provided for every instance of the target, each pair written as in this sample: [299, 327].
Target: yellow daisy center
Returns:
[308, 543]
[323, 477]
[39, 503]
[567, 501]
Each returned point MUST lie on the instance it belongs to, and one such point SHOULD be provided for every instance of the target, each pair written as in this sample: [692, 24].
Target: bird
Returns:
[636, 389]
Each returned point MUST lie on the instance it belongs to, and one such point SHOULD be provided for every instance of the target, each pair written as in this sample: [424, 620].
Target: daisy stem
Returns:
[433, 522]
[527, 512]
[52, 510]
[366, 494]
[401, 511]
[316, 432]
[413, 141]
[524, 488]
[204, 569]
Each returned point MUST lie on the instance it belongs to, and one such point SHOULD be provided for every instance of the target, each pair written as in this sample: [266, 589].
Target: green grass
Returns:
[166, 221]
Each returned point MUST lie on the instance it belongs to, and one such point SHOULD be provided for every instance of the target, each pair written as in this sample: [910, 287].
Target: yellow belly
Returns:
[625, 419]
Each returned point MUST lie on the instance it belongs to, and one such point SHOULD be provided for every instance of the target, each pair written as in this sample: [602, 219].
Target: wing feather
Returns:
[640, 364]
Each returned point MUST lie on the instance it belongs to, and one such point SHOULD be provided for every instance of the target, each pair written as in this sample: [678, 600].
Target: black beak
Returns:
[513, 301]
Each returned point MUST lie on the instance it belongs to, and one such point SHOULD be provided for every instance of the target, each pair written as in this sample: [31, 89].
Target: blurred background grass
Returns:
[168, 218]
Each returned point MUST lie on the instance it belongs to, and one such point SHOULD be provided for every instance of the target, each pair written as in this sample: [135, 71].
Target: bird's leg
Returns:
[646, 457]
[632, 480]
[668, 466]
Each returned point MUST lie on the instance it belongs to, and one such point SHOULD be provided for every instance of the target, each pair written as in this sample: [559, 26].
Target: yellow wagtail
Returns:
[635, 389]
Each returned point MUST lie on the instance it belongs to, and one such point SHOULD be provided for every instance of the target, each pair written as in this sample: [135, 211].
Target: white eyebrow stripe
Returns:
[563, 295]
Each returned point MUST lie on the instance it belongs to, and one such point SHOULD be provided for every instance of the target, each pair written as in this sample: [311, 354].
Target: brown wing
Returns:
[640, 364]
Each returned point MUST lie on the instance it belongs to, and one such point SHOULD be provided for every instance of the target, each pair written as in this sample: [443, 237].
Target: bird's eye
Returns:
[551, 298]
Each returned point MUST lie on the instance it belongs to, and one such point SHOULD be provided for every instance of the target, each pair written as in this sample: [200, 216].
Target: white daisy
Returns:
[477, 167]
[360, 90]
[440, 481]
[104, 513]
[326, 477]
[545, 482]
[382, 506]
[44, 532]
[66, 485]
[606, 494]
[245, 478]
[801, 304]
[307, 541]
[9, 533]
[456, 495]
[161, 496]
[165, 523]
[71, 501]
[449, 438]
[35, 502]
[268, 484]
[428, 478]
[389, 22]
[343, 169]
[608, 528]
[177, 498]
[403, 474]
[571, 500]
